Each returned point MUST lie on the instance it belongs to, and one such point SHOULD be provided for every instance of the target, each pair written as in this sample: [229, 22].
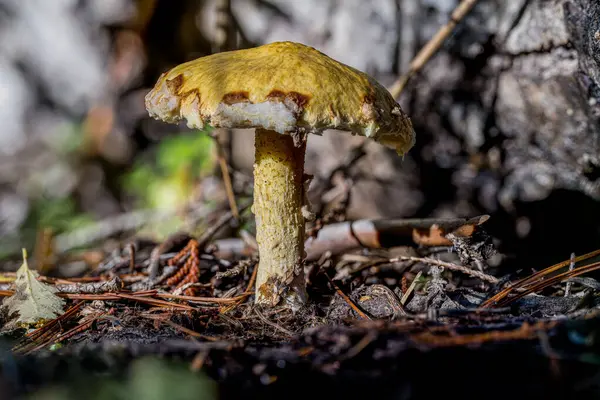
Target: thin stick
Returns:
[155, 302]
[131, 248]
[450, 266]
[227, 180]
[225, 39]
[198, 361]
[33, 335]
[272, 324]
[534, 278]
[569, 284]
[247, 292]
[74, 331]
[252, 279]
[221, 222]
[183, 329]
[216, 300]
[361, 345]
[410, 288]
[432, 46]
[544, 284]
[348, 299]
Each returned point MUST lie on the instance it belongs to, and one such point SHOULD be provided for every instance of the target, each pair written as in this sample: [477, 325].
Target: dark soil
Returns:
[341, 363]
[406, 322]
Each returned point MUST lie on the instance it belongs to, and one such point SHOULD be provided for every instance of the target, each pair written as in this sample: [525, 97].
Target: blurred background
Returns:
[506, 116]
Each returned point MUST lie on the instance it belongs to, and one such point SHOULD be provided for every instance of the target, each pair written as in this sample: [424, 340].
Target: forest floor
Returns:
[176, 319]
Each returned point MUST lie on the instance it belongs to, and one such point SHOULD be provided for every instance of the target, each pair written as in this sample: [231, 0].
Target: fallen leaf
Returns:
[33, 300]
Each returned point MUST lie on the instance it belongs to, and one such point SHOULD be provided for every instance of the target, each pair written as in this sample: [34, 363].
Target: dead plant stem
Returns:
[450, 266]
[432, 46]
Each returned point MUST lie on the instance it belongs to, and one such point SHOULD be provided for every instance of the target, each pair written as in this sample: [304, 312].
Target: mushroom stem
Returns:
[278, 201]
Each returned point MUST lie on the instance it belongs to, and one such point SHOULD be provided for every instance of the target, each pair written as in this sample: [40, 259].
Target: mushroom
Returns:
[284, 90]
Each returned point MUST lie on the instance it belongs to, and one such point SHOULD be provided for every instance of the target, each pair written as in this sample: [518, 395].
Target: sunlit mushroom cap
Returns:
[283, 86]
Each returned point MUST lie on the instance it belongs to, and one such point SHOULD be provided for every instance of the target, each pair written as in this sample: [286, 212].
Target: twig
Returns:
[504, 300]
[217, 300]
[198, 360]
[80, 296]
[533, 279]
[348, 300]
[146, 299]
[221, 222]
[227, 181]
[549, 352]
[432, 46]
[183, 329]
[155, 302]
[272, 324]
[76, 330]
[410, 288]
[113, 285]
[66, 315]
[225, 39]
[361, 345]
[160, 252]
[570, 283]
[450, 266]
[131, 248]
[247, 292]
[43, 335]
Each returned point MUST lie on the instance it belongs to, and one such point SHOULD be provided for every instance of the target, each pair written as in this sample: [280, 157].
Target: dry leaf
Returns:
[33, 300]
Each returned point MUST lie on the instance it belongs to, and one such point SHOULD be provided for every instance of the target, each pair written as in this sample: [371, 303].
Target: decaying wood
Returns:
[113, 285]
[374, 234]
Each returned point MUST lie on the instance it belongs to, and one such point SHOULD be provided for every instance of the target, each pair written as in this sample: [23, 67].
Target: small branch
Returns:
[217, 300]
[131, 247]
[570, 283]
[183, 329]
[450, 266]
[113, 285]
[411, 288]
[224, 220]
[272, 324]
[541, 284]
[432, 46]
[226, 178]
[532, 280]
[246, 293]
[348, 300]
[198, 361]
[361, 345]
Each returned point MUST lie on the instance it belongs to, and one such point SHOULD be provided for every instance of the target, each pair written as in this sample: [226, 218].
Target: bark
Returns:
[508, 114]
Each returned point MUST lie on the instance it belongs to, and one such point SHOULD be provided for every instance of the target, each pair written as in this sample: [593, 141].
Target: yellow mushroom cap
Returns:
[283, 86]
